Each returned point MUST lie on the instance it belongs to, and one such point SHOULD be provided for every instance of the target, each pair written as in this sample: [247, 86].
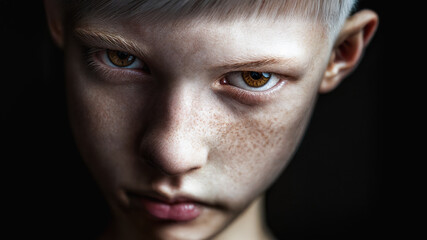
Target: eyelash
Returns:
[105, 71]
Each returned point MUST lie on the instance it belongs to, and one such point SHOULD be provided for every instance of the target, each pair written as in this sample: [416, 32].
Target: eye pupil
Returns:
[255, 75]
[122, 55]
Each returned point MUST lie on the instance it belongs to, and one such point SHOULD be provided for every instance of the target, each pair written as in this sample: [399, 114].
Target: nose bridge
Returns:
[173, 141]
[180, 107]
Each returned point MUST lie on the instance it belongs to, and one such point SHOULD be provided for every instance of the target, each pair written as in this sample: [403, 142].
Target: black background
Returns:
[332, 188]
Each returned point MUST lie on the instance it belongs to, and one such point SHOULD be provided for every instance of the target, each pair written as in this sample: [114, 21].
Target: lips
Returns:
[178, 209]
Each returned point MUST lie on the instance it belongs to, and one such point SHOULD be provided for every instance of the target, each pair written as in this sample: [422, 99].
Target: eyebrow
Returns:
[109, 40]
[250, 64]
[290, 63]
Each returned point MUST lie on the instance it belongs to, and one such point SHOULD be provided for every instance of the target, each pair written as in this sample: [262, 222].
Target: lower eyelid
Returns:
[249, 97]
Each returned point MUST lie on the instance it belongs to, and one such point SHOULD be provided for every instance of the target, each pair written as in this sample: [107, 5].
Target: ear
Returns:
[355, 35]
[54, 15]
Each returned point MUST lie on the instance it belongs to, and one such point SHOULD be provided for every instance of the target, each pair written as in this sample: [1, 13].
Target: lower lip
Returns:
[180, 211]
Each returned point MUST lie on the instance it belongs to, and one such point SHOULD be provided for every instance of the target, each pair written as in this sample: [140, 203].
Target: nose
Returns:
[173, 141]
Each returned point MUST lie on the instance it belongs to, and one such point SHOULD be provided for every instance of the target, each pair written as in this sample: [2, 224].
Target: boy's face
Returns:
[172, 132]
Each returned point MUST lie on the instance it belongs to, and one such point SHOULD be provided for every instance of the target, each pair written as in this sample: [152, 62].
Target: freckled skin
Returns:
[174, 133]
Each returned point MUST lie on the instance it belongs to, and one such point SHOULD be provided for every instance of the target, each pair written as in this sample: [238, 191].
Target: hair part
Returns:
[331, 13]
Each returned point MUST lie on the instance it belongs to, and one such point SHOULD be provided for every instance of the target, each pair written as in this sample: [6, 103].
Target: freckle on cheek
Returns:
[251, 138]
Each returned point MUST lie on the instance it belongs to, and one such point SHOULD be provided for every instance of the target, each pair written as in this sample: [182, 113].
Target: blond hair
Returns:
[331, 13]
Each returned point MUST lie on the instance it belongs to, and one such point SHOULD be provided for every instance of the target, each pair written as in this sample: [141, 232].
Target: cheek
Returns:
[254, 150]
[106, 121]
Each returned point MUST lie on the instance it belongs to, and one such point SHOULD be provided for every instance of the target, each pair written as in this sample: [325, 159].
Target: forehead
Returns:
[218, 10]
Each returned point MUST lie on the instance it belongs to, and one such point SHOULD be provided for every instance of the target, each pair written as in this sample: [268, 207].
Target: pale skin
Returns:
[181, 130]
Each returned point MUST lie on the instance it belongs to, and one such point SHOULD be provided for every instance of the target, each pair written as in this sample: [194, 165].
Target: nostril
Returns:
[194, 169]
[171, 163]
[151, 163]
[149, 158]
[169, 171]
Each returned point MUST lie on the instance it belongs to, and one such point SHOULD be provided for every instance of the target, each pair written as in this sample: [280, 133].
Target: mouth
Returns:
[176, 209]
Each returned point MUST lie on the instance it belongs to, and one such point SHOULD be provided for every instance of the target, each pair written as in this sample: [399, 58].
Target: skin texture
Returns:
[195, 135]
[178, 132]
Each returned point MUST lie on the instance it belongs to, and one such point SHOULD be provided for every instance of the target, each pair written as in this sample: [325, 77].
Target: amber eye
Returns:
[120, 59]
[256, 79]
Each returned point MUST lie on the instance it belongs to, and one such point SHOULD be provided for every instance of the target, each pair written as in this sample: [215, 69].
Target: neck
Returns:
[249, 225]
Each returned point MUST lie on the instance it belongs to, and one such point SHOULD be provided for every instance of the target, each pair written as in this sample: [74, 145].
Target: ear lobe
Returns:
[54, 15]
[356, 33]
